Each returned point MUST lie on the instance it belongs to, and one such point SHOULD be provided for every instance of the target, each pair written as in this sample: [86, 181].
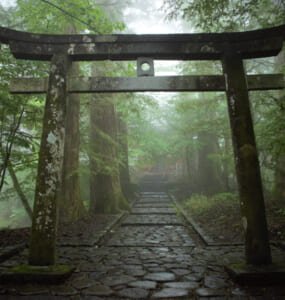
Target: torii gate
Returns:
[230, 48]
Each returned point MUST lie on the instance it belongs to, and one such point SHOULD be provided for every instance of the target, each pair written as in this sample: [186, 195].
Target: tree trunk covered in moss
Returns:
[279, 174]
[106, 195]
[226, 169]
[105, 190]
[209, 174]
[71, 207]
[44, 226]
[191, 158]
[124, 154]
[257, 249]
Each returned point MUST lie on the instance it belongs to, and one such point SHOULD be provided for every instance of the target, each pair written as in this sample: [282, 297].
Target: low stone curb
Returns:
[8, 252]
[206, 239]
[112, 224]
[279, 244]
[109, 228]
[97, 239]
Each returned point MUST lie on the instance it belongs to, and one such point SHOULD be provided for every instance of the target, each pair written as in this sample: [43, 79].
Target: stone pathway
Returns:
[152, 254]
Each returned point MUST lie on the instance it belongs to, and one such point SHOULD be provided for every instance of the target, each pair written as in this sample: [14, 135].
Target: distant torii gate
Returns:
[230, 48]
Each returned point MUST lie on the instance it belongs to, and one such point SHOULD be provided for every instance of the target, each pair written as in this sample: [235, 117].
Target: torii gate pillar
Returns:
[257, 248]
[43, 235]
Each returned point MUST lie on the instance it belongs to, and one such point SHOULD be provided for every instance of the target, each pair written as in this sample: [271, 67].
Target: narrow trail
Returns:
[151, 254]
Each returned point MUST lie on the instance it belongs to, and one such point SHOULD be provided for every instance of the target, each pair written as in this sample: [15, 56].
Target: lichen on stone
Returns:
[71, 48]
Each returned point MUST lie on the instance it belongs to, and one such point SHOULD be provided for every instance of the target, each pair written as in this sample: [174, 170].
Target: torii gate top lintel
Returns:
[198, 46]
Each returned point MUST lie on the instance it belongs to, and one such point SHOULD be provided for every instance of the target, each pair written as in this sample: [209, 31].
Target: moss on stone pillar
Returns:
[257, 249]
[44, 226]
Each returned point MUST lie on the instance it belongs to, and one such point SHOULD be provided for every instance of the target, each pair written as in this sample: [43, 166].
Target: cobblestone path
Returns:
[151, 254]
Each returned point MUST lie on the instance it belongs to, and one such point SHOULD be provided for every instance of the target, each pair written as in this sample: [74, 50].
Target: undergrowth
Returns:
[220, 216]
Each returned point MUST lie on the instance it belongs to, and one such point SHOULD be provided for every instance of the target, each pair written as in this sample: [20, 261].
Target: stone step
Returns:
[152, 220]
[143, 236]
[153, 210]
[153, 205]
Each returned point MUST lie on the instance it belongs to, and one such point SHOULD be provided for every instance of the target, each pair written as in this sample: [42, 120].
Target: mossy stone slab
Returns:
[257, 275]
[39, 274]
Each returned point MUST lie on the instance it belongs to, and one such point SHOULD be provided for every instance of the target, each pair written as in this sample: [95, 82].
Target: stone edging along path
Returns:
[7, 252]
[10, 251]
[207, 239]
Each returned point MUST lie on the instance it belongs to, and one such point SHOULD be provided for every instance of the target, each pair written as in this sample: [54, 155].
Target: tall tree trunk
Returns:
[209, 180]
[124, 166]
[225, 175]
[105, 190]
[279, 176]
[71, 207]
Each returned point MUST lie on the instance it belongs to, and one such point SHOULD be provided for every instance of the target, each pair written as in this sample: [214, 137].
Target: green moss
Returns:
[26, 269]
[239, 266]
[123, 203]
[37, 274]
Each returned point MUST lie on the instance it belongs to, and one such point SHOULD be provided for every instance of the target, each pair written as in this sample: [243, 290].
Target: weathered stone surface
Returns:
[97, 275]
[170, 293]
[160, 276]
[214, 282]
[199, 269]
[252, 44]
[136, 272]
[182, 285]
[153, 210]
[144, 236]
[33, 290]
[83, 283]
[239, 292]
[194, 277]
[180, 272]
[98, 290]
[257, 248]
[156, 270]
[118, 280]
[205, 292]
[130, 84]
[133, 293]
[144, 284]
[42, 249]
[36, 274]
[152, 220]
[257, 275]
[63, 290]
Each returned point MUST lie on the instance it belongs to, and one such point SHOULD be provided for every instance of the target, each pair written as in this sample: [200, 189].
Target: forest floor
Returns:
[81, 230]
[220, 217]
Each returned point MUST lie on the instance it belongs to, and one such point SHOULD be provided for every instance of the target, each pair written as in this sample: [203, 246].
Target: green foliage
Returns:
[227, 15]
[56, 16]
[201, 204]
[20, 117]
[281, 211]
[225, 197]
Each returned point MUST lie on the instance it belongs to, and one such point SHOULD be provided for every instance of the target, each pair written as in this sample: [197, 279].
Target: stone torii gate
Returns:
[230, 48]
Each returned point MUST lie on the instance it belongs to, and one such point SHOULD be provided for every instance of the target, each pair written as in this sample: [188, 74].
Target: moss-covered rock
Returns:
[42, 274]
